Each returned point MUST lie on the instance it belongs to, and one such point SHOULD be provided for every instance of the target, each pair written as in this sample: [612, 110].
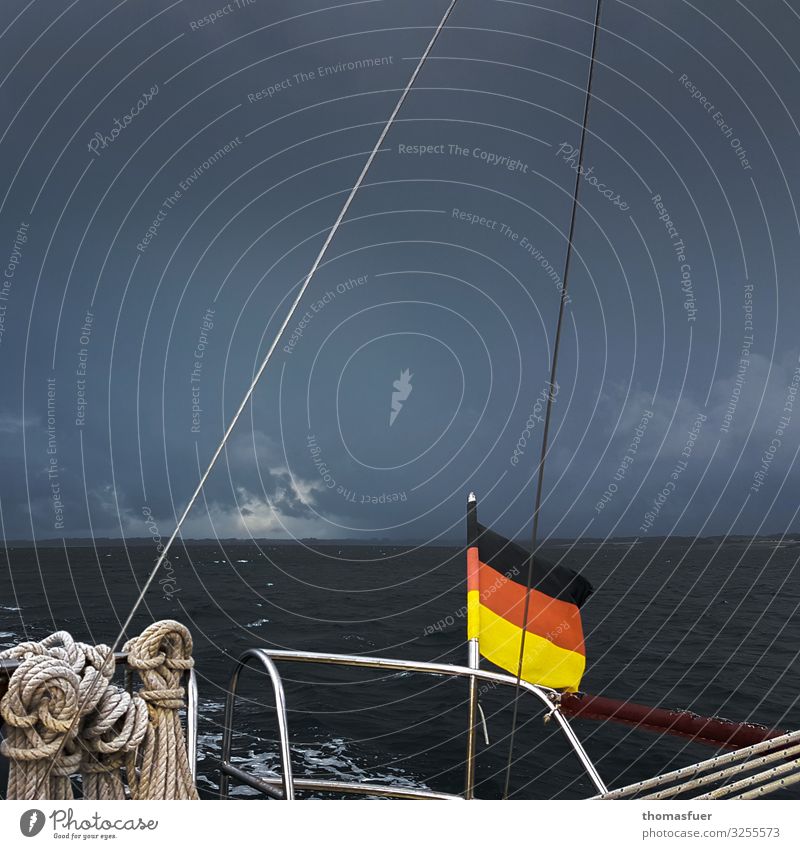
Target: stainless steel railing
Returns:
[285, 786]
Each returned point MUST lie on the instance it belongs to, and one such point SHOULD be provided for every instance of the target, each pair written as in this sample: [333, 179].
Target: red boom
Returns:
[712, 731]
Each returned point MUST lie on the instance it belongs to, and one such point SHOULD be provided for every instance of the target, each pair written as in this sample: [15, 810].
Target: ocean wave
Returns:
[329, 760]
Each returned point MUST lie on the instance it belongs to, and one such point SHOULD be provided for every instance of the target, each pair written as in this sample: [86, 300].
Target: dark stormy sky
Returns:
[168, 180]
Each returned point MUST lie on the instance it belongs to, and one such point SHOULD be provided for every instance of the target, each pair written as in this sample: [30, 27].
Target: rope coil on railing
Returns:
[38, 710]
[160, 656]
[63, 717]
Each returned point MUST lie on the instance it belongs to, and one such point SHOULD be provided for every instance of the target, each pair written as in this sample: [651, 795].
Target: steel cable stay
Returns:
[550, 395]
[265, 362]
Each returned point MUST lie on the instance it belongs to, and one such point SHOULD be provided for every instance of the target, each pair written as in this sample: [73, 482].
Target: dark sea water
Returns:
[713, 629]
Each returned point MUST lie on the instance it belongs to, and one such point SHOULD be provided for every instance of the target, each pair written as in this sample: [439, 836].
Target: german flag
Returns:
[497, 574]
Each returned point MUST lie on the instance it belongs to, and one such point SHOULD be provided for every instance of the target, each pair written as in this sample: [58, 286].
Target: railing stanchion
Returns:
[283, 725]
[579, 750]
[191, 722]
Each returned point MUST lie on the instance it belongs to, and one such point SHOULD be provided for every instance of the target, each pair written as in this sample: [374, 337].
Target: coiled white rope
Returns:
[64, 717]
[160, 655]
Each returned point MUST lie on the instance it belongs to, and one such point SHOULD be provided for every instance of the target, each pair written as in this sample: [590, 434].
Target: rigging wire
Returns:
[550, 395]
[249, 394]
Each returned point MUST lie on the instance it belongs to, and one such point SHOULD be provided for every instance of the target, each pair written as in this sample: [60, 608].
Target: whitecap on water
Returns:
[328, 759]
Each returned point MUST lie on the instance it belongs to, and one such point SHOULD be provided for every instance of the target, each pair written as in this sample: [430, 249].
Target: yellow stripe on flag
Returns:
[544, 663]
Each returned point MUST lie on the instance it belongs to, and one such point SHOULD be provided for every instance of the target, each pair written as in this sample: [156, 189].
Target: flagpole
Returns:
[473, 658]
[473, 662]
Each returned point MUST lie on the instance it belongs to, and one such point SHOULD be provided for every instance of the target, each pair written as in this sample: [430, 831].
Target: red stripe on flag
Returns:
[555, 620]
